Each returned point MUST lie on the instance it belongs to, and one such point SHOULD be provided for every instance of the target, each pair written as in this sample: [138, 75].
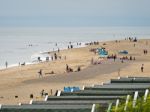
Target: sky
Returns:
[74, 13]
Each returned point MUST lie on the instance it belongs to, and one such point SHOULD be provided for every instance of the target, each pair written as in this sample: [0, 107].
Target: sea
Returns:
[25, 44]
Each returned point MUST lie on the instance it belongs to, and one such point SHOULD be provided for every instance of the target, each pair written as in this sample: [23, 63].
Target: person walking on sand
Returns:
[42, 93]
[142, 68]
[40, 73]
[6, 64]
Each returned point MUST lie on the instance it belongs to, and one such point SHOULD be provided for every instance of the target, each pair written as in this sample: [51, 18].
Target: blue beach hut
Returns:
[71, 89]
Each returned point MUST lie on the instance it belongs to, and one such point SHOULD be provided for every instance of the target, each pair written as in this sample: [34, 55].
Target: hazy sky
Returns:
[74, 12]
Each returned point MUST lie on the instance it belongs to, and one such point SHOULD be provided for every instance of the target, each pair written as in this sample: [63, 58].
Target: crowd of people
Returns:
[131, 39]
[113, 56]
[69, 69]
[92, 43]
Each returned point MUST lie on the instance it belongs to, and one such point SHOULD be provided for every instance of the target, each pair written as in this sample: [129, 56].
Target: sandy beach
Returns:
[24, 80]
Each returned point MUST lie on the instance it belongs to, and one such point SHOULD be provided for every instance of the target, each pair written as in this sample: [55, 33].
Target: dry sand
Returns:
[24, 80]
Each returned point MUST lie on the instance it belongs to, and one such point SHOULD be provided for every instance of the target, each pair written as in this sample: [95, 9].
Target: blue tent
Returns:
[71, 89]
[102, 52]
[123, 52]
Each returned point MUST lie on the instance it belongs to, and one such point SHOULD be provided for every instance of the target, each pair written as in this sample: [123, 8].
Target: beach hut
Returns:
[102, 52]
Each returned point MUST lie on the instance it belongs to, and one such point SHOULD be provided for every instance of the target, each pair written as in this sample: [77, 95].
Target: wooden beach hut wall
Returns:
[102, 52]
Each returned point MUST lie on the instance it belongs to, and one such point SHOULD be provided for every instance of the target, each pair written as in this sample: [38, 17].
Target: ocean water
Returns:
[22, 44]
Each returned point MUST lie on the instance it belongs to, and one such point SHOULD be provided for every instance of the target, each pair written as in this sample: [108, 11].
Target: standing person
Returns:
[79, 69]
[6, 64]
[130, 57]
[68, 47]
[142, 68]
[114, 57]
[95, 51]
[71, 46]
[47, 58]
[67, 67]
[55, 55]
[40, 73]
[42, 93]
[39, 59]
[145, 51]
[51, 91]
[52, 58]
[122, 60]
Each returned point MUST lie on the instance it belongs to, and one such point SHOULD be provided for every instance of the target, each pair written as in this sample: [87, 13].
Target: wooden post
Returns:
[46, 98]
[93, 108]
[59, 92]
[117, 104]
[31, 101]
[109, 107]
[135, 98]
[146, 94]
[126, 104]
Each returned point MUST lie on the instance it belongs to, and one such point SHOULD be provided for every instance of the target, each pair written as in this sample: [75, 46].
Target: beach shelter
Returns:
[123, 52]
[102, 52]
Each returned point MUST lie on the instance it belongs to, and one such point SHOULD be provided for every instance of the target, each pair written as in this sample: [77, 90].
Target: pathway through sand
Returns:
[92, 71]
